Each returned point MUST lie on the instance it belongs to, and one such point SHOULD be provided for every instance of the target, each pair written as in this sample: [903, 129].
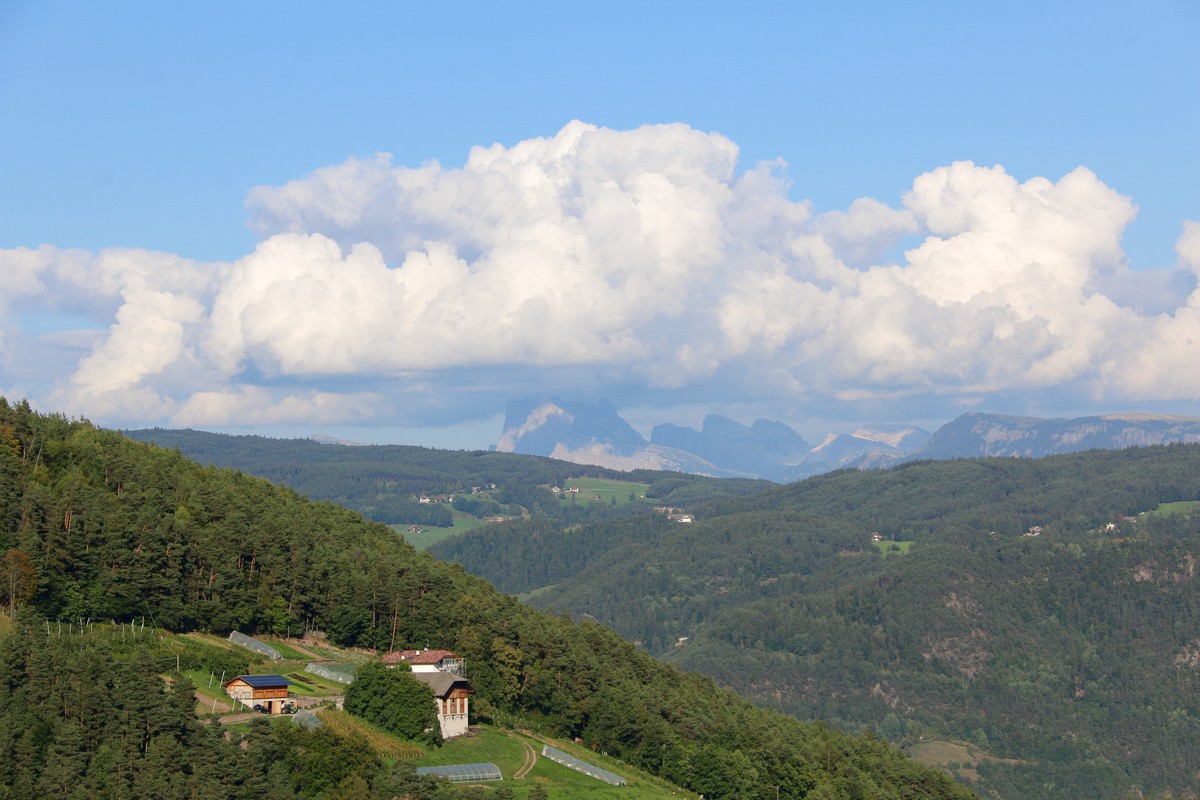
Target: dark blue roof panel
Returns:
[265, 681]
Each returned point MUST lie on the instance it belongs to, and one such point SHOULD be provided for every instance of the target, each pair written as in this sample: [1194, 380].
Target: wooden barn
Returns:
[269, 691]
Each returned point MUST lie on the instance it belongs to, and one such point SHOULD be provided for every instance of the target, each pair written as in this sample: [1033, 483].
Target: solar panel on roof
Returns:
[265, 681]
[464, 773]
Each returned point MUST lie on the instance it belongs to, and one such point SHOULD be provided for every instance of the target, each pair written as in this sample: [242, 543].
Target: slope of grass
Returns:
[893, 548]
[1181, 507]
[430, 535]
[511, 751]
[606, 489]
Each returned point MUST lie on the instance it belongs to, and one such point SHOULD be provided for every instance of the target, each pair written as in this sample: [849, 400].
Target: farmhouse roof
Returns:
[261, 681]
[418, 656]
[442, 683]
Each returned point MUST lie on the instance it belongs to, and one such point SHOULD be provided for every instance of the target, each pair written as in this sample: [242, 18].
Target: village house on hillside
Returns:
[427, 660]
[268, 691]
[441, 671]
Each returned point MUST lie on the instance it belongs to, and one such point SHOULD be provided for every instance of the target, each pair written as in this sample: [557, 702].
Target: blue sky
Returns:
[173, 176]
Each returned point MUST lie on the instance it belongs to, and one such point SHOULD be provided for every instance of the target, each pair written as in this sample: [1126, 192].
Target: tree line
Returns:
[1070, 654]
[117, 530]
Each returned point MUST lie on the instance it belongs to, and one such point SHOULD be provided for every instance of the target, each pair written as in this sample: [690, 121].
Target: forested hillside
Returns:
[1069, 661]
[384, 482]
[94, 525]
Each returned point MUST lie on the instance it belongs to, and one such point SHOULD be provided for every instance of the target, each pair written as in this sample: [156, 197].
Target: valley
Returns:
[100, 531]
[912, 603]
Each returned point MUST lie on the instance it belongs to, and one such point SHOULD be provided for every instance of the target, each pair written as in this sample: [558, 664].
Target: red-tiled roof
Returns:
[418, 656]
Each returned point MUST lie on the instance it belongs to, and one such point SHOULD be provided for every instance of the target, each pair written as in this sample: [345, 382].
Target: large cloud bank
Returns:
[382, 292]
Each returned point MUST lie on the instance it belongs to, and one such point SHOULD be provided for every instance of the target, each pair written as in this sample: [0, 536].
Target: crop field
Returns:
[288, 652]
[383, 743]
[210, 640]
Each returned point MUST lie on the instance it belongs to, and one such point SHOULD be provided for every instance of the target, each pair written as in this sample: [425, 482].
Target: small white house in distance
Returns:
[441, 671]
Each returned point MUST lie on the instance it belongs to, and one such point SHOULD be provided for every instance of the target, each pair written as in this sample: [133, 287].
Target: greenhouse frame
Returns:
[559, 757]
[340, 673]
[251, 643]
[307, 719]
[464, 773]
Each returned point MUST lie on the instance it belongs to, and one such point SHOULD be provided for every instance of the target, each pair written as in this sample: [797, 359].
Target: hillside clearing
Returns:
[893, 548]
[606, 489]
[1181, 507]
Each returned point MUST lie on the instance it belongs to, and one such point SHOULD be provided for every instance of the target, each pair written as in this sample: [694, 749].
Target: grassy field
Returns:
[956, 759]
[1182, 507]
[211, 640]
[606, 490]
[206, 693]
[287, 652]
[310, 685]
[430, 536]
[959, 760]
[333, 653]
[512, 752]
[491, 744]
[525, 597]
[885, 548]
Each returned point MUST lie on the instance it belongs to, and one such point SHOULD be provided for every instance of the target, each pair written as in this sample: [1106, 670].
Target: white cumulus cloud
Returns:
[644, 258]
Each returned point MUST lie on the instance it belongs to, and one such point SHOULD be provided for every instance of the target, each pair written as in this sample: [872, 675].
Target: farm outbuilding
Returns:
[269, 691]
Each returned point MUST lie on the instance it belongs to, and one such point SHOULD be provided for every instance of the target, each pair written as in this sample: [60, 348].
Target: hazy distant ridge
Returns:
[594, 433]
[977, 435]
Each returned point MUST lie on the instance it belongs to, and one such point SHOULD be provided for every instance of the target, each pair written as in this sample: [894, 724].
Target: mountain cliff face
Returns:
[868, 447]
[595, 434]
[765, 449]
[977, 435]
[589, 433]
[539, 426]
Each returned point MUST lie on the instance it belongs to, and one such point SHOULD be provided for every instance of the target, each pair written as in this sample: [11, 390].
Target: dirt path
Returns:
[306, 652]
[233, 719]
[206, 703]
[530, 759]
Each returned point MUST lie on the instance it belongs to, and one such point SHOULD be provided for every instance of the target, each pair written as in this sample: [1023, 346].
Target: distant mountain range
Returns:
[594, 433]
